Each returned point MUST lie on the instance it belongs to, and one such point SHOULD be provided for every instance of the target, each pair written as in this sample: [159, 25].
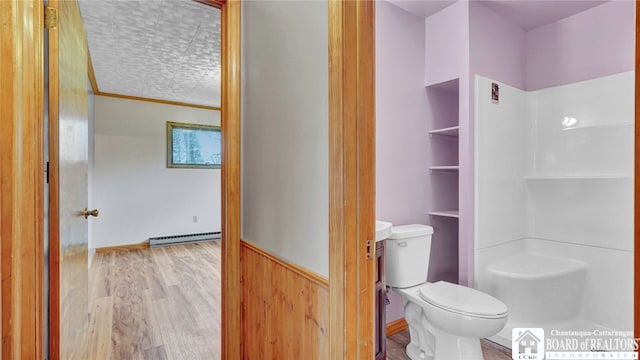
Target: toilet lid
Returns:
[462, 299]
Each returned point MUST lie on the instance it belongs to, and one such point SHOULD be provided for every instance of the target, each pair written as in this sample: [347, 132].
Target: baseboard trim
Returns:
[142, 245]
[308, 274]
[396, 326]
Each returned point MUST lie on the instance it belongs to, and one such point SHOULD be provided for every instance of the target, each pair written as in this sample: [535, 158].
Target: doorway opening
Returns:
[109, 265]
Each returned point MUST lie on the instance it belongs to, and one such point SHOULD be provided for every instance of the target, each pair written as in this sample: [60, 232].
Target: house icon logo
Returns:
[527, 343]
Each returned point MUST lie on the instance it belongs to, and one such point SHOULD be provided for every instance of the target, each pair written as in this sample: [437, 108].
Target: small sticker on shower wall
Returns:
[495, 93]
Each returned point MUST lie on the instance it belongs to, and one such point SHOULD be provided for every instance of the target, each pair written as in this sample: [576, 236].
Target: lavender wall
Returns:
[446, 38]
[402, 178]
[588, 45]
[497, 47]
[446, 58]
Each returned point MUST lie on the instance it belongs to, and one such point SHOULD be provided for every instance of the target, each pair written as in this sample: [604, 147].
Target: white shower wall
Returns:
[554, 176]
[580, 166]
[500, 165]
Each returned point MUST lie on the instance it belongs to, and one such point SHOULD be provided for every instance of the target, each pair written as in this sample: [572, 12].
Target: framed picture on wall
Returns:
[193, 146]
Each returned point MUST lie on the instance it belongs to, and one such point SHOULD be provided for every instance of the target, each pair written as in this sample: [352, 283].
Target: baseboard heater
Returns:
[181, 239]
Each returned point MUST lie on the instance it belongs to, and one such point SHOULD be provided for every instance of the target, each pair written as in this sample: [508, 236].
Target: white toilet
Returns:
[446, 321]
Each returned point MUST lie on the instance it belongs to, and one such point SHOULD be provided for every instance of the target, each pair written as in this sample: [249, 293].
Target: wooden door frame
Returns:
[230, 126]
[636, 195]
[21, 178]
[230, 174]
[54, 199]
[351, 179]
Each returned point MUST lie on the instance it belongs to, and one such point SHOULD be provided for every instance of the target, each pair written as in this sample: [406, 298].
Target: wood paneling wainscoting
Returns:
[285, 310]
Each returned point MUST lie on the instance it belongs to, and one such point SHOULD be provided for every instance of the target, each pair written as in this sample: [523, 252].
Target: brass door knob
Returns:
[86, 213]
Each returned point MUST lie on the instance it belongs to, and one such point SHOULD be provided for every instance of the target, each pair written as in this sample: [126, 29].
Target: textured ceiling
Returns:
[159, 49]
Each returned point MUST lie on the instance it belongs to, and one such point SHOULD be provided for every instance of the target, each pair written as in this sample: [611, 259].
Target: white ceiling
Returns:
[527, 14]
[422, 8]
[158, 49]
[531, 14]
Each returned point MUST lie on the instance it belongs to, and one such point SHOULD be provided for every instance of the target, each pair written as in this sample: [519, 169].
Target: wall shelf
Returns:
[451, 85]
[599, 126]
[443, 99]
[444, 168]
[580, 177]
[449, 131]
[446, 213]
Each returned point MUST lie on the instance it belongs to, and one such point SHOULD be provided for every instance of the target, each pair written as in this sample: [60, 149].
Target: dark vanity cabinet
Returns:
[381, 295]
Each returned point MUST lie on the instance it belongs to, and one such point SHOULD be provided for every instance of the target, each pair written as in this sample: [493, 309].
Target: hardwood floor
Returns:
[397, 343]
[158, 303]
[164, 303]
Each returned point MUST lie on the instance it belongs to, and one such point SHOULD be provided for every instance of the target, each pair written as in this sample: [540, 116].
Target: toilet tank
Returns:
[407, 252]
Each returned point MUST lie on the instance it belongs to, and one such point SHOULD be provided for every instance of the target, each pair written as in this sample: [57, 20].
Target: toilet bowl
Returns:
[446, 321]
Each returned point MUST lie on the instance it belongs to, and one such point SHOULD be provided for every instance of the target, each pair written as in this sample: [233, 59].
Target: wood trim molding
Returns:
[305, 273]
[396, 326]
[337, 239]
[142, 245]
[230, 124]
[215, 3]
[636, 215]
[54, 196]
[22, 178]
[168, 102]
[92, 74]
[351, 178]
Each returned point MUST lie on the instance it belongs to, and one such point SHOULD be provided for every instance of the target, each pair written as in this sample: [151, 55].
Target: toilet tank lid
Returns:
[409, 231]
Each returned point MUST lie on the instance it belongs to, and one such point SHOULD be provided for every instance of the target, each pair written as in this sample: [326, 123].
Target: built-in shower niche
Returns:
[554, 203]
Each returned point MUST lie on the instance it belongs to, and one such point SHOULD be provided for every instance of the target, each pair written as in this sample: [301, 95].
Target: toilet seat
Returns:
[462, 300]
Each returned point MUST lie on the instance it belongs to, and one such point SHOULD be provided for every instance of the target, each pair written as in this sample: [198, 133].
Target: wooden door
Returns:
[68, 147]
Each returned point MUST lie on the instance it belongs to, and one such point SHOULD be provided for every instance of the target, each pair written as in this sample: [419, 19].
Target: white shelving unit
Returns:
[448, 131]
[444, 140]
[446, 213]
[445, 168]
[580, 177]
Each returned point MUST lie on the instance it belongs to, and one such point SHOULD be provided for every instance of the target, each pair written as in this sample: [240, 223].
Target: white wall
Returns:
[500, 164]
[580, 188]
[285, 144]
[137, 195]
